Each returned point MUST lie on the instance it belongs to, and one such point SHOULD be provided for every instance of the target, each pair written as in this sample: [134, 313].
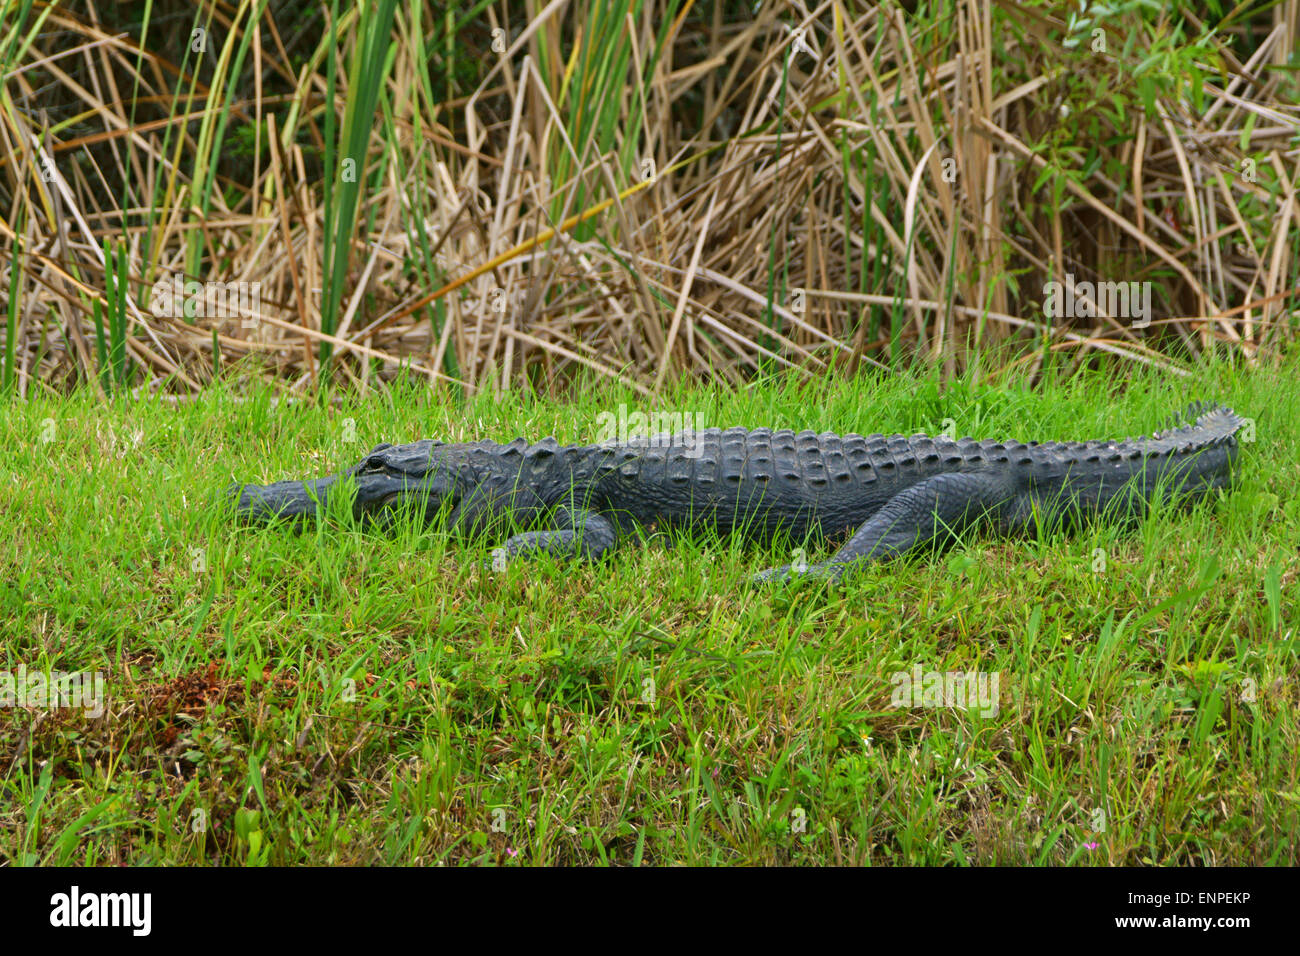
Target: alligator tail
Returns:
[1211, 417]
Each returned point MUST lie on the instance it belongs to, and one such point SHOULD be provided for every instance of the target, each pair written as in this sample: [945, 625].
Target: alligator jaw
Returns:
[296, 501]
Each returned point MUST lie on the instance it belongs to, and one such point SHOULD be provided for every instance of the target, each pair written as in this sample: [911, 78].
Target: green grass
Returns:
[346, 697]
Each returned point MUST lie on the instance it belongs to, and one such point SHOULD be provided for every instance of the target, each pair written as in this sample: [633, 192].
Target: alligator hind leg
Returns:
[927, 513]
[576, 533]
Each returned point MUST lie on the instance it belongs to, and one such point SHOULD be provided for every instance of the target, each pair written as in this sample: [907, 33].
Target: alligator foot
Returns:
[578, 534]
[923, 514]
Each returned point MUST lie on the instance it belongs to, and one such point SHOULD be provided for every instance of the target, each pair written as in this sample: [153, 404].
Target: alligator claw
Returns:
[826, 571]
[772, 575]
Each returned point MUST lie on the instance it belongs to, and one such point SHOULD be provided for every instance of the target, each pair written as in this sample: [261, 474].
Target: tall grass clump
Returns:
[506, 194]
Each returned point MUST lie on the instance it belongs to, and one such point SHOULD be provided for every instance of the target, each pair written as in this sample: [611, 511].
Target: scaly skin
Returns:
[895, 494]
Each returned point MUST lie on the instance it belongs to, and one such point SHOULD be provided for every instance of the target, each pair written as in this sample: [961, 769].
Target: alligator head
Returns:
[426, 475]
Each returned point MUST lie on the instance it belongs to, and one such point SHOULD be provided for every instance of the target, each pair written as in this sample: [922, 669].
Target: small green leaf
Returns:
[1247, 131]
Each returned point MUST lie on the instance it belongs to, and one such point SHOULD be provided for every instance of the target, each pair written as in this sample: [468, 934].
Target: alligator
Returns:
[891, 495]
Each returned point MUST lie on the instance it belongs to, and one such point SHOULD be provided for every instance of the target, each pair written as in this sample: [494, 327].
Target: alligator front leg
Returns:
[927, 513]
[576, 533]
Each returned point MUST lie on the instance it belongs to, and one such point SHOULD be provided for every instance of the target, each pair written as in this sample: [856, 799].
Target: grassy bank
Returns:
[346, 697]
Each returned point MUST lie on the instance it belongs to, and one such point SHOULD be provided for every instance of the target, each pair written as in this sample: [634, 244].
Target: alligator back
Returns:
[757, 481]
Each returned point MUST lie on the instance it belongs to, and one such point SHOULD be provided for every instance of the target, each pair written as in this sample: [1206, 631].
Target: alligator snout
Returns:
[282, 499]
[376, 495]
